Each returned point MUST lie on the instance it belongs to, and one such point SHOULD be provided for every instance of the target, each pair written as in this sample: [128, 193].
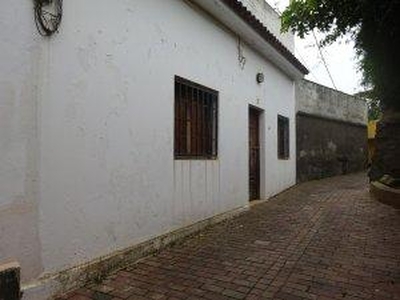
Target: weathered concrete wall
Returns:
[319, 100]
[328, 147]
[331, 131]
[271, 19]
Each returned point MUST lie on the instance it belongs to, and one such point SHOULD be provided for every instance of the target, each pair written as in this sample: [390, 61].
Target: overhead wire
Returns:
[305, 63]
[323, 60]
[276, 8]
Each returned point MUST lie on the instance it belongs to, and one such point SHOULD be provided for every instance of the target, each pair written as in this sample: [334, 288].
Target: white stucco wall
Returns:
[102, 134]
[19, 57]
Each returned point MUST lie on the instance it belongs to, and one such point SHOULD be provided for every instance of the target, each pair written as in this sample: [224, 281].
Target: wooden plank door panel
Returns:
[254, 154]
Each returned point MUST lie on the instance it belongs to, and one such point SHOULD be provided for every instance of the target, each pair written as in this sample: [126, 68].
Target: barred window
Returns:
[196, 118]
[283, 137]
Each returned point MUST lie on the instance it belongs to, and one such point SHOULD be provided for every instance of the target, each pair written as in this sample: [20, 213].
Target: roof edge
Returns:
[248, 17]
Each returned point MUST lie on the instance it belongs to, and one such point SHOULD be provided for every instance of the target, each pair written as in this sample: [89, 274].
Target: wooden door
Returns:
[254, 154]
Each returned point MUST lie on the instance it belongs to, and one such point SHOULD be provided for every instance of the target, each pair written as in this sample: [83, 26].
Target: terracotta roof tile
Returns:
[263, 31]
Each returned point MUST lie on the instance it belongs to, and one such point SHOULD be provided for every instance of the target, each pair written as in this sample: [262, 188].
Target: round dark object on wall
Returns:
[48, 15]
[260, 77]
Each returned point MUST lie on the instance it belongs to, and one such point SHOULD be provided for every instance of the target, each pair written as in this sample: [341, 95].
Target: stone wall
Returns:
[331, 132]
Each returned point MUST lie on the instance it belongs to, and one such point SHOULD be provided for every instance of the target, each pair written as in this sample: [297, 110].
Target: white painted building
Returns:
[88, 162]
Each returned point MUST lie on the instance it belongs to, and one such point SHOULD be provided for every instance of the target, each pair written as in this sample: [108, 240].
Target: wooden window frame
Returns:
[283, 137]
[195, 121]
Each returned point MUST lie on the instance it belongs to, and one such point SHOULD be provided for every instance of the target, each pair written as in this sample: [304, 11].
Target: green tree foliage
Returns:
[374, 109]
[374, 104]
[374, 26]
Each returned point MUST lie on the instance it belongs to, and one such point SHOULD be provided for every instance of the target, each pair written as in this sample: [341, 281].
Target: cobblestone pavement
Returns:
[320, 240]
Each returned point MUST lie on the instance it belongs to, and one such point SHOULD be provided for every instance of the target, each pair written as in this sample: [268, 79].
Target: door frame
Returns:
[261, 140]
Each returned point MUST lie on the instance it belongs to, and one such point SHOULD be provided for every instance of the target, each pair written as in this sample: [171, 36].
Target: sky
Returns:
[340, 58]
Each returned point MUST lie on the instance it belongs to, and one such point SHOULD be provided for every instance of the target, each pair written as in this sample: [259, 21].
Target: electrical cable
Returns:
[323, 60]
[305, 63]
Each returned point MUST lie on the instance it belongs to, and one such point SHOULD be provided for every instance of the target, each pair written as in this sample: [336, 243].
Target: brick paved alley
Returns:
[321, 240]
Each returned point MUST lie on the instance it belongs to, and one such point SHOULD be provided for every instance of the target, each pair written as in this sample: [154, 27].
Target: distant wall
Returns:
[331, 132]
[316, 99]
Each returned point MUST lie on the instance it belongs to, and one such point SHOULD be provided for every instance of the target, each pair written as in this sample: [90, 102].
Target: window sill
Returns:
[195, 158]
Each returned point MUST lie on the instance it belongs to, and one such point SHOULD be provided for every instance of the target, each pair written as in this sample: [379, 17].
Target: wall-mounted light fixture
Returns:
[48, 15]
[260, 78]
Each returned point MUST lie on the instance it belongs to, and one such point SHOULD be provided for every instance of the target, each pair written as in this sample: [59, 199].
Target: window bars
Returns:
[196, 120]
